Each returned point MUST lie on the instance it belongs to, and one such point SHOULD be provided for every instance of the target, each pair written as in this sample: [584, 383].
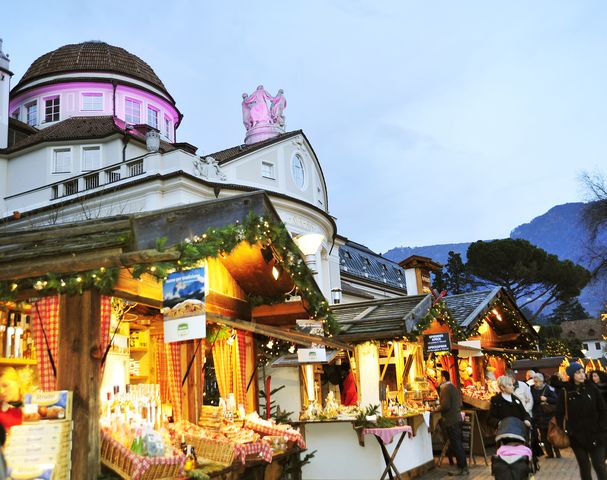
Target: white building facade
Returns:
[92, 132]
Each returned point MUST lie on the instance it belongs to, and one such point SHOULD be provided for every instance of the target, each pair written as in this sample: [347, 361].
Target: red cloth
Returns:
[12, 416]
[448, 363]
[48, 307]
[349, 395]
[260, 449]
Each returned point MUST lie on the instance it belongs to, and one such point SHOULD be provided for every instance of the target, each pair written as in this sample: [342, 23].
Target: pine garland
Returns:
[213, 243]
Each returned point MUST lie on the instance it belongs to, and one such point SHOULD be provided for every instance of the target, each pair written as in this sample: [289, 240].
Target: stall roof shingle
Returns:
[384, 318]
[466, 307]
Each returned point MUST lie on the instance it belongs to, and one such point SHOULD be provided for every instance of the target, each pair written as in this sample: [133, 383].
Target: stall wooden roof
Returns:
[470, 308]
[120, 240]
[379, 319]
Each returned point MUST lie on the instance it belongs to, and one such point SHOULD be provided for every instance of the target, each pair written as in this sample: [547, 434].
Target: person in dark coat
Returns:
[586, 421]
[451, 413]
[506, 404]
[600, 381]
[542, 395]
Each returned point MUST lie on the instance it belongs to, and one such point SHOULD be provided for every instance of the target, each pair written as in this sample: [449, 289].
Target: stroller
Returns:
[514, 459]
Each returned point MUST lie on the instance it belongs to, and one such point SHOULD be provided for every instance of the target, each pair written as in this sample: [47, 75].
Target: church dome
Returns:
[91, 56]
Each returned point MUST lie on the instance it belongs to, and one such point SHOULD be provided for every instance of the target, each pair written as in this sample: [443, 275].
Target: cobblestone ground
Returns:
[564, 468]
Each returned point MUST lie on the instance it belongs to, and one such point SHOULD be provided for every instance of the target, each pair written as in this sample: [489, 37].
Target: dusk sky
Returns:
[434, 122]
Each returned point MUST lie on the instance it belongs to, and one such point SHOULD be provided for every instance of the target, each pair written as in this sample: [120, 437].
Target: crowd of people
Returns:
[578, 403]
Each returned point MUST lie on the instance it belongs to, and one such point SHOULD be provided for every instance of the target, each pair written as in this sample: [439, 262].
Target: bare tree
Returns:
[595, 219]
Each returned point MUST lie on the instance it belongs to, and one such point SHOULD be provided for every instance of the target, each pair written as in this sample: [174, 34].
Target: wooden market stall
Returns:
[103, 280]
[489, 332]
[389, 374]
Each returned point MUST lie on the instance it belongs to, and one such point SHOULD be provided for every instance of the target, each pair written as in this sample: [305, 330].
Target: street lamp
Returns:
[336, 295]
[309, 243]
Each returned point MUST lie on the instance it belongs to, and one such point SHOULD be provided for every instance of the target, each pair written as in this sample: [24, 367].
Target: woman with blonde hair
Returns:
[10, 398]
[506, 404]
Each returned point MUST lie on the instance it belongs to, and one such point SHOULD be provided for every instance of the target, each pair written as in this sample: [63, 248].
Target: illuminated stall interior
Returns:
[118, 263]
[388, 352]
[489, 332]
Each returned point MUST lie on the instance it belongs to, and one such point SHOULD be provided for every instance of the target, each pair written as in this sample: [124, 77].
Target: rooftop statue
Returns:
[261, 108]
[279, 103]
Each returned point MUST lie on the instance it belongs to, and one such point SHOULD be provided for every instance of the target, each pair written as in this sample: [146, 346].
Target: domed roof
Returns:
[91, 57]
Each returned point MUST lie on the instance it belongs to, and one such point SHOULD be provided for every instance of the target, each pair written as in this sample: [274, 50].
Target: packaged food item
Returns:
[30, 472]
[51, 405]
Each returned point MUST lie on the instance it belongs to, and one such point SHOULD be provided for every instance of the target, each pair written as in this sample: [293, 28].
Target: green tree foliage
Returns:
[455, 277]
[528, 273]
[570, 309]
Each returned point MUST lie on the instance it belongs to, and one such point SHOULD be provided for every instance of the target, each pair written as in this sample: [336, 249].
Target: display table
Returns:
[384, 436]
[339, 456]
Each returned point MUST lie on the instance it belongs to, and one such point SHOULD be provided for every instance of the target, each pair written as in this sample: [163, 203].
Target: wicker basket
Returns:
[219, 452]
[124, 463]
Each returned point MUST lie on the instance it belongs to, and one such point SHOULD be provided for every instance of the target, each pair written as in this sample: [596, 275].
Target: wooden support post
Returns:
[78, 370]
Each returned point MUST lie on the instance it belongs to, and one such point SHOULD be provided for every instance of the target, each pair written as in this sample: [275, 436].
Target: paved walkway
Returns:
[564, 468]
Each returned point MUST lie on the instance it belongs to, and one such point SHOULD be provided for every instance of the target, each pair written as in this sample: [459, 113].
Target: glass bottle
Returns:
[10, 335]
[3, 321]
[27, 341]
[18, 333]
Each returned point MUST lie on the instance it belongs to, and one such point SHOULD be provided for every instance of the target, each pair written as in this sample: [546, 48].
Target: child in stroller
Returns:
[513, 459]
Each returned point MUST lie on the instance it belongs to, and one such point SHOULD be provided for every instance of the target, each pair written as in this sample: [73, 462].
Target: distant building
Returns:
[591, 332]
[365, 275]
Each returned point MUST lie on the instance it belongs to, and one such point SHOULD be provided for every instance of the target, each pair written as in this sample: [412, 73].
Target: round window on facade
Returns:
[298, 171]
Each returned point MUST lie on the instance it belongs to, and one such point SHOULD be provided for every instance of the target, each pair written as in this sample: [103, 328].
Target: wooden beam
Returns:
[81, 262]
[79, 370]
[69, 231]
[287, 335]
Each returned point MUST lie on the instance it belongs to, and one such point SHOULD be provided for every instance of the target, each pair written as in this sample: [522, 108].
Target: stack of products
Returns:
[42, 446]
[211, 417]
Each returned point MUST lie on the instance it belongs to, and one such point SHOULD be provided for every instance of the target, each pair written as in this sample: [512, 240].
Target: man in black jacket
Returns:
[451, 412]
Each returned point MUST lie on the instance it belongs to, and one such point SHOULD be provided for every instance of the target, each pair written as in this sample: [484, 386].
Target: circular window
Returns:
[297, 169]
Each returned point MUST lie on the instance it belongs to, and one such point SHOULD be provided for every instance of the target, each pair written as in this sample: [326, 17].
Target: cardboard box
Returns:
[51, 405]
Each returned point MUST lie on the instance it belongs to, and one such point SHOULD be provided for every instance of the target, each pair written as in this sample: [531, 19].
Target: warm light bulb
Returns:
[275, 272]
[292, 349]
[270, 343]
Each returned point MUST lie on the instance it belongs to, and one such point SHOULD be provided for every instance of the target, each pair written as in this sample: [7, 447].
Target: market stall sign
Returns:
[184, 307]
[317, 352]
[437, 342]
[311, 355]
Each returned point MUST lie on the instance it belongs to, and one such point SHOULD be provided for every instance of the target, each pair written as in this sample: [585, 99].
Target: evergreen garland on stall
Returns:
[440, 313]
[215, 242]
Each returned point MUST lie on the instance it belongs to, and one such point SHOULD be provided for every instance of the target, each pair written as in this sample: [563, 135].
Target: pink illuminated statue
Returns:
[246, 112]
[276, 110]
[257, 102]
[263, 115]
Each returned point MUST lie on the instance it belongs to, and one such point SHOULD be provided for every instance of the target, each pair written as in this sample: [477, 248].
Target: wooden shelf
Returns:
[138, 349]
[17, 361]
[138, 378]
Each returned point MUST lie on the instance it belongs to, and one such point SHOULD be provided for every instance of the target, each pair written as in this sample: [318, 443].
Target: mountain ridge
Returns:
[559, 231]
